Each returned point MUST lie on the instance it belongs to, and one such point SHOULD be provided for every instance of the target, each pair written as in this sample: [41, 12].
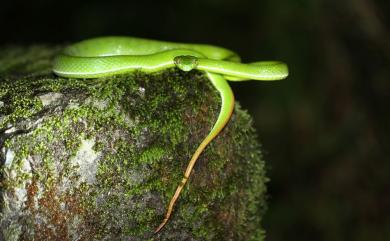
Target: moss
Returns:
[144, 129]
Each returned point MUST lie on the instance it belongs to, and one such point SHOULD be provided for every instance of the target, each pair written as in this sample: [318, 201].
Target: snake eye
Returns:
[186, 62]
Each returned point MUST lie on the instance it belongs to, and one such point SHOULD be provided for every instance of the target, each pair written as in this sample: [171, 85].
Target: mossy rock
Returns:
[99, 159]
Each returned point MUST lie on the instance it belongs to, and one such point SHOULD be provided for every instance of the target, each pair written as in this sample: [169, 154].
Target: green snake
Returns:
[106, 56]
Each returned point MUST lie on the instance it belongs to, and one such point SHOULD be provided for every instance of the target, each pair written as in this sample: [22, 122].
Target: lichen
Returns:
[99, 159]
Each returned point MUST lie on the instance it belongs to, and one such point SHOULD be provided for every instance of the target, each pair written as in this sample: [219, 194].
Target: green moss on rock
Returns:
[99, 159]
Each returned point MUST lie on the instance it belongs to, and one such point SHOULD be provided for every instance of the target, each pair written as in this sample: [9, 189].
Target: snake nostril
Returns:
[176, 60]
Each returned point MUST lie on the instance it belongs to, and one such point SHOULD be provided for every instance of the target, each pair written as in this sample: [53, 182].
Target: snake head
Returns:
[186, 62]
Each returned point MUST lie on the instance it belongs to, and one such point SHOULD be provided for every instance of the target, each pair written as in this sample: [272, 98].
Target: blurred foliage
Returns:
[325, 129]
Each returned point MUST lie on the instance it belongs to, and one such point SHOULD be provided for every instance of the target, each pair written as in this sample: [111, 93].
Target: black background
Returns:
[324, 130]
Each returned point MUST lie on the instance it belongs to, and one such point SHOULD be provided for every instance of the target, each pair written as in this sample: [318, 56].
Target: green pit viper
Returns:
[106, 56]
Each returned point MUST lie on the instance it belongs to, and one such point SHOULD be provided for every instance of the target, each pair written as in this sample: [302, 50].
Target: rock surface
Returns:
[100, 159]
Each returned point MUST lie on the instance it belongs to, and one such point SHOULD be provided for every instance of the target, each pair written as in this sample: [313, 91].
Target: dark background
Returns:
[324, 130]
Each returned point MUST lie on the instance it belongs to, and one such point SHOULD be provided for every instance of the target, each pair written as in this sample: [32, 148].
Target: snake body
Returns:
[106, 56]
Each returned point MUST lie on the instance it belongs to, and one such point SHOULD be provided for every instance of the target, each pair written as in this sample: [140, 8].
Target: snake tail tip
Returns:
[160, 227]
[157, 230]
